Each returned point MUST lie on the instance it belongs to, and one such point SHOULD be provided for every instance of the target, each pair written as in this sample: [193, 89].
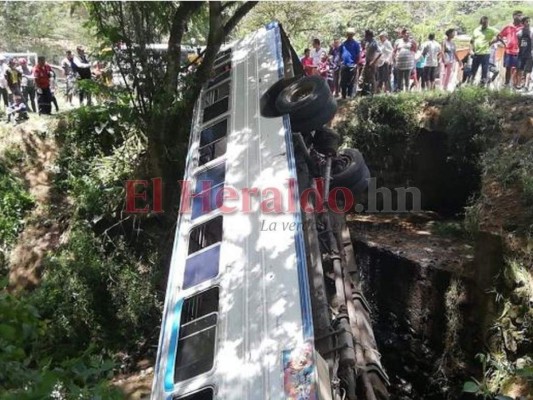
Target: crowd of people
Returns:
[25, 88]
[377, 65]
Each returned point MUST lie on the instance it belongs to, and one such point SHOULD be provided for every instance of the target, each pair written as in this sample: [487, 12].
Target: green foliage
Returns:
[512, 165]
[100, 149]
[14, 202]
[93, 291]
[382, 125]
[28, 370]
[44, 28]
[494, 374]
[471, 123]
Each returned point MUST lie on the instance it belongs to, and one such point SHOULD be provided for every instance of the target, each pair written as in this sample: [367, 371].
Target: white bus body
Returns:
[240, 320]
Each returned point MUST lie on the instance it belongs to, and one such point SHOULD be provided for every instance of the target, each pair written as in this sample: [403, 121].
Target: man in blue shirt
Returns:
[350, 51]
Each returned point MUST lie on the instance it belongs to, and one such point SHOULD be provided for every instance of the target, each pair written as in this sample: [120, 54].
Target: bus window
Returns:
[220, 73]
[206, 195]
[205, 394]
[222, 56]
[201, 267]
[213, 141]
[216, 94]
[205, 235]
[196, 343]
[216, 109]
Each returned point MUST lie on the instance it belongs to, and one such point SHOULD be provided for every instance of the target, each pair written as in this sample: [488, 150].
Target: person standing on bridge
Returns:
[509, 37]
[350, 51]
[404, 56]
[525, 57]
[335, 56]
[384, 63]
[373, 54]
[432, 51]
[449, 57]
[483, 37]
[307, 63]
[316, 52]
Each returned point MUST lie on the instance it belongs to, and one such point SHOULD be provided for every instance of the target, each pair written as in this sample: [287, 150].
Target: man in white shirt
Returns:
[3, 80]
[432, 51]
[384, 63]
[316, 52]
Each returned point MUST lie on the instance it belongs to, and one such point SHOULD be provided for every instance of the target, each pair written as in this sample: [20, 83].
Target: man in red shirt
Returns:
[509, 37]
[42, 73]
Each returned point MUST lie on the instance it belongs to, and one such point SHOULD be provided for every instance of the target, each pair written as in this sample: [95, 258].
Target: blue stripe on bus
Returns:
[168, 298]
[173, 346]
[303, 280]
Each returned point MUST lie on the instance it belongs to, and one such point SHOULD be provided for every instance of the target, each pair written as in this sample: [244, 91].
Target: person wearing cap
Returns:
[384, 63]
[3, 81]
[350, 51]
[82, 67]
[28, 84]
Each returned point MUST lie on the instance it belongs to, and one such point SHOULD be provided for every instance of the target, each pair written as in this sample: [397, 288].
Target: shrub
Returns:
[28, 369]
[93, 291]
[14, 203]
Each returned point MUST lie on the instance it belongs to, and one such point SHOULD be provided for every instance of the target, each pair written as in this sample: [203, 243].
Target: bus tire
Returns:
[317, 120]
[267, 104]
[303, 98]
[348, 169]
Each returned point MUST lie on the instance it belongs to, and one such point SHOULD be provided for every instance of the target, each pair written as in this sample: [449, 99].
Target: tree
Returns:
[157, 84]
[161, 90]
[45, 28]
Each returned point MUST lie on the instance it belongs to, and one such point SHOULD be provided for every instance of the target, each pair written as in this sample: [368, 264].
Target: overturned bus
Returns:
[262, 301]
